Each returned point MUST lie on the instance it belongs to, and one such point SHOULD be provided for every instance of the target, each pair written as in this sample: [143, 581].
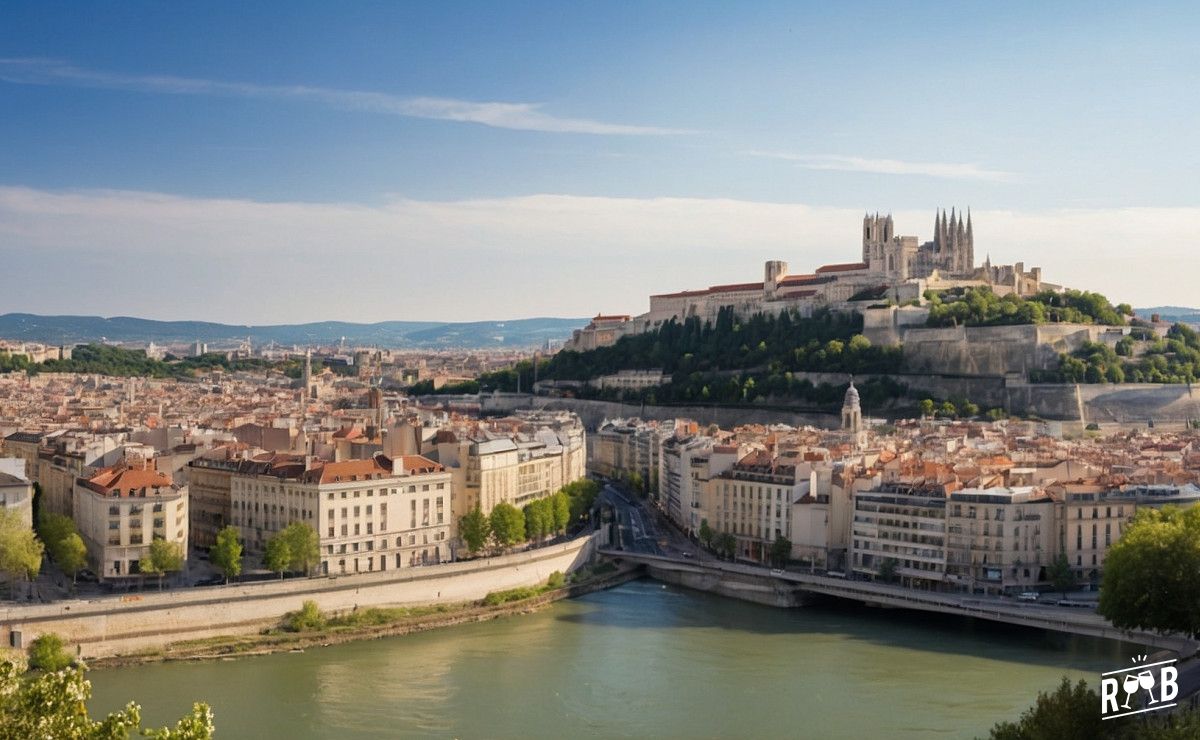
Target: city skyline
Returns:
[470, 162]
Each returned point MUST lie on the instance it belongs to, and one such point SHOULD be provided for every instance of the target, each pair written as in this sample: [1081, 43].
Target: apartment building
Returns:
[516, 467]
[210, 480]
[683, 473]
[375, 514]
[904, 525]
[752, 498]
[620, 447]
[999, 540]
[119, 510]
[16, 492]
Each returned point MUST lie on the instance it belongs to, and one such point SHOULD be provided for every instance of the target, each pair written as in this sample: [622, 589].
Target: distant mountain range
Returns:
[1176, 314]
[390, 334]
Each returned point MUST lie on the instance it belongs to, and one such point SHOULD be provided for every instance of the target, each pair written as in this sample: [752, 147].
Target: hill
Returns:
[392, 334]
[1175, 314]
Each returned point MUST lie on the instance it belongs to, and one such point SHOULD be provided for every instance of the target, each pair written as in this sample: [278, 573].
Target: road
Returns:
[635, 531]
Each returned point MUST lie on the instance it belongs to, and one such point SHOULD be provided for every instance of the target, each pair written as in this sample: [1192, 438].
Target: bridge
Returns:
[794, 588]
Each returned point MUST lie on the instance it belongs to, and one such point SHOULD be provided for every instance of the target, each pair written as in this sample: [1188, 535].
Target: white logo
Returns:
[1157, 680]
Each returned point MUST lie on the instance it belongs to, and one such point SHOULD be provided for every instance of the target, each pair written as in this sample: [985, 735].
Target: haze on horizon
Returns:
[272, 164]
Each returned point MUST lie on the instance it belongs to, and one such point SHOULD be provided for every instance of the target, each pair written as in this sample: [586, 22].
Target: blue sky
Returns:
[267, 162]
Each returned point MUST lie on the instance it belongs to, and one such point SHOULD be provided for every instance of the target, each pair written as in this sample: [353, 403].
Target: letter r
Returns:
[1108, 693]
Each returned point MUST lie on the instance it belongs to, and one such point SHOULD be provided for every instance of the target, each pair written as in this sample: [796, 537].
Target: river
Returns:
[641, 660]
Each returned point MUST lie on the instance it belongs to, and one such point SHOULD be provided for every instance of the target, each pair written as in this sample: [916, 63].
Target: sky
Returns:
[288, 162]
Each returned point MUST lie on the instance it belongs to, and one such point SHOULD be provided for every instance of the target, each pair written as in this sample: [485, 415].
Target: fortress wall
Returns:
[991, 350]
[119, 625]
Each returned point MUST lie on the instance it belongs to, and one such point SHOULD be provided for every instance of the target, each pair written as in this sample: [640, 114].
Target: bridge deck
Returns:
[1060, 619]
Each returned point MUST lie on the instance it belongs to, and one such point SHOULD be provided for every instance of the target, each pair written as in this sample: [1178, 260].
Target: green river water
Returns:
[641, 660]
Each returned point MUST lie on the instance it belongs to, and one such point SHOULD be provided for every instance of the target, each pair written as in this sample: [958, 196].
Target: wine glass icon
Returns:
[1146, 681]
[1130, 685]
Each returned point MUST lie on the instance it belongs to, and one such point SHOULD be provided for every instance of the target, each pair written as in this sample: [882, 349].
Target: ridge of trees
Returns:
[979, 306]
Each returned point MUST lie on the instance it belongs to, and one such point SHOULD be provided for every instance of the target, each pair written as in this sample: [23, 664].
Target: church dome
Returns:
[851, 396]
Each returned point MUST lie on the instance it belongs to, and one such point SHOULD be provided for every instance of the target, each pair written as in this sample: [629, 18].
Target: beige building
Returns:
[620, 447]
[999, 540]
[210, 481]
[753, 499]
[905, 525]
[16, 492]
[514, 468]
[376, 514]
[120, 510]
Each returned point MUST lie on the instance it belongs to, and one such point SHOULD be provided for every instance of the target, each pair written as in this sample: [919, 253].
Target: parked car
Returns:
[1029, 596]
[86, 576]
[210, 581]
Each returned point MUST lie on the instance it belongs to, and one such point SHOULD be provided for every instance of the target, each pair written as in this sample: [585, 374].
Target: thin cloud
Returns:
[945, 170]
[517, 116]
[549, 254]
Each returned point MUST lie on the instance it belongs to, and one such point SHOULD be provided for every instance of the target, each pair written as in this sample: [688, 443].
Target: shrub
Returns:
[308, 619]
[556, 580]
[48, 654]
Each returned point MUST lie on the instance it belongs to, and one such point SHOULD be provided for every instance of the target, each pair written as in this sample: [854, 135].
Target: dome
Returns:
[851, 396]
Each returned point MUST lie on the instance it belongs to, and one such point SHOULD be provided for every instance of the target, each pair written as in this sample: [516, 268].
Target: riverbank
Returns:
[142, 623]
[402, 621]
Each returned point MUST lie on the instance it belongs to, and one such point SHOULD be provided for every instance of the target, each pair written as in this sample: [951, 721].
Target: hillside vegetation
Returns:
[979, 306]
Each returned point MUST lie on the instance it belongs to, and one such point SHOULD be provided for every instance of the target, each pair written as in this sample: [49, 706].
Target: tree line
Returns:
[507, 525]
[979, 306]
[1144, 358]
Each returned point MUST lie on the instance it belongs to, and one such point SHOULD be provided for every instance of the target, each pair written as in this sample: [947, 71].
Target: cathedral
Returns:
[951, 252]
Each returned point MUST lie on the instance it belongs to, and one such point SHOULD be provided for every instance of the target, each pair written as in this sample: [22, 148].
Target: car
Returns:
[1029, 596]
[210, 581]
[86, 576]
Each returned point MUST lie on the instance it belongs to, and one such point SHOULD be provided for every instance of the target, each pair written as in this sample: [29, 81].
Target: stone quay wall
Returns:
[124, 624]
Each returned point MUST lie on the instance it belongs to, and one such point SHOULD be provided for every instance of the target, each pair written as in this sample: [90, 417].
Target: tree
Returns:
[706, 534]
[303, 546]
[1069, 713]
[539, 519]
[560, 509]
[887, 570]
[46, 653]
[165, 557]
[947, 409]
[726, 545]
[54, 704]
[508, 525]
[72, 555]
[781, 551]
[1062, 578]
[20, 551]
[926, 407]
[1152, 573]
[278, 554]
[475, 529]
[226, 554]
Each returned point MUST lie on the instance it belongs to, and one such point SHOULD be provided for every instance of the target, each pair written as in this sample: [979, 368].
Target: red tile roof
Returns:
[844, 267]
[121, 480]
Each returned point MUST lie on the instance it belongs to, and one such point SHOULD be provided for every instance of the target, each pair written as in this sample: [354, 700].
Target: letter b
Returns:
[1169, 689]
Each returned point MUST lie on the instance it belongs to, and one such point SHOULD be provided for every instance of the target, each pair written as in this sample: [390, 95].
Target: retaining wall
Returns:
[117, 625]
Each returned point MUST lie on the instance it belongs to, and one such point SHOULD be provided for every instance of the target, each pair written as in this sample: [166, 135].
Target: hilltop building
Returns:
[892, 267]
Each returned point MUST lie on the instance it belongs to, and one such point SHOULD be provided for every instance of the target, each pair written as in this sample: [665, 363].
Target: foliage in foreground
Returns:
[1072, 712]
[1152, 573]
[54, 705]
[46, 653]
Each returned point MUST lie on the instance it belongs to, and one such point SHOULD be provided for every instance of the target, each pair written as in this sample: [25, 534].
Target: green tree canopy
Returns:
[72, 554]
[560, 508]
[1069, 713]
[20, 550]
[475, 529]
[1152, 573]
[508, 525]
[303, 546]
[706, 533]
[278, 554]
[781, 551]
[226, 554]
[1062, 578]
[165, 557]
